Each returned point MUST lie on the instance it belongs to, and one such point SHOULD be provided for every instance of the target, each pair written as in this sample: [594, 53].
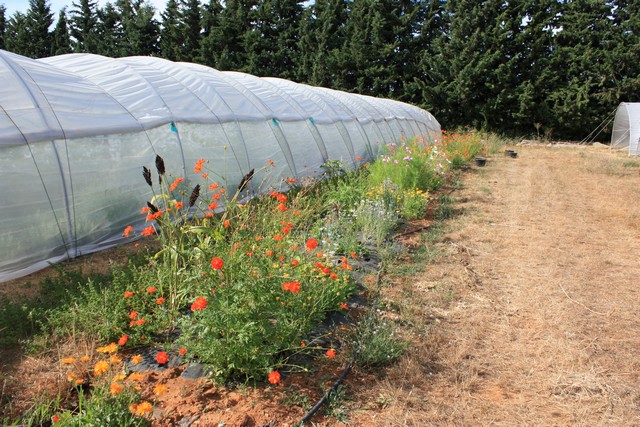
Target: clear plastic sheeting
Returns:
[626, 128]
[75, 131]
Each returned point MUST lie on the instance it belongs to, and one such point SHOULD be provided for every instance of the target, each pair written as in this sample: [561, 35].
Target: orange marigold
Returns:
[116, 388]
[159, 389]
[274, 377]
[135, 359]
[100, 368]
[68, 361]
[135, 376]
[111, 348]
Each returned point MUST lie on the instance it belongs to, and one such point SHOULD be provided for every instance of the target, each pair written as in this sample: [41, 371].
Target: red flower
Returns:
[333, 276]
[274, 377]
[294, 287]
[208, 215]
[213, 186]
[281, 198]
[162, 357]
[282, 207]
[128, 294]
[145, 210]
[269, 252]
[133, 315]
[213, 206]
[179, 205]
[123, 340]
[344, 306]
[295, 262]
[311, 244]
[326, 270]
[277, 237]
[290, 180]
[151, 289]
[182, 351]
[216, 196]
[127, 231]
[217, 263]
[55, 419]
[198, 167]
[331, 353]
[149, 231]
[226, 223]
[175, 184]
[140, 322]
[160, 301]
[199, 304]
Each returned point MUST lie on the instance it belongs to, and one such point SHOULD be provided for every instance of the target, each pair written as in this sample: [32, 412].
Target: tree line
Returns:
[528, 67]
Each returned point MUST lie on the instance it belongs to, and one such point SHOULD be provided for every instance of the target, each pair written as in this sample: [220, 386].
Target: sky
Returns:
[22, 5]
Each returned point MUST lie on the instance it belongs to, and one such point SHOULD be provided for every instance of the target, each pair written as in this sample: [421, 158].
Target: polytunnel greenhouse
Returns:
[626, 128]
[76, 130]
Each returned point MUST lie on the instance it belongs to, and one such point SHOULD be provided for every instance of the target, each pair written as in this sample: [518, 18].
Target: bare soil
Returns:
[527, 314]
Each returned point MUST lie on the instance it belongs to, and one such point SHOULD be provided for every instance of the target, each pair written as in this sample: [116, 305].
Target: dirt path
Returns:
[542, 326]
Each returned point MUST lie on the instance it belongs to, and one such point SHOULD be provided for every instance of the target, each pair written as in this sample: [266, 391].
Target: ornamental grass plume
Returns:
[152, 208]
[195, 193]
[245, 180]
[146, 173]
[160, 167]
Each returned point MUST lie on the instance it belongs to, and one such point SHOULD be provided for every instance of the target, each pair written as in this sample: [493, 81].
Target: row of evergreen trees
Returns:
[552, 67]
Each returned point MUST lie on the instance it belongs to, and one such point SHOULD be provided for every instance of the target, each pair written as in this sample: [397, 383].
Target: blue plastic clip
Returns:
[275, 122]
[173, 127]
[313, 122]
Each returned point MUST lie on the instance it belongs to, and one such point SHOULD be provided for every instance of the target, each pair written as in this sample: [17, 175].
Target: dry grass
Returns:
[529, 315]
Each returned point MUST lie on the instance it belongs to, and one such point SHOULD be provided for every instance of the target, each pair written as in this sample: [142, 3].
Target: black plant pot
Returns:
[480, 161]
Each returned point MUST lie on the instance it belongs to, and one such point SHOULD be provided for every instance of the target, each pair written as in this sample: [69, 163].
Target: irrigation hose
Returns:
[322, 401]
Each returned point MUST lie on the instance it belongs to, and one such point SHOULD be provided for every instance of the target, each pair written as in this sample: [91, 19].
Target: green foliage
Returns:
[373, 342]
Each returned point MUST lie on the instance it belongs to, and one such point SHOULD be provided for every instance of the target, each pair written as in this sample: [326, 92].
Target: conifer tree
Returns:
[140, 28]
[272, 43]
[210, 21]
[191, 28]
[39, 19]
[171, 36]
[3, 25]
[110, 32]
[82, 25]
[61, 42]
[17, 35]
[321, 40]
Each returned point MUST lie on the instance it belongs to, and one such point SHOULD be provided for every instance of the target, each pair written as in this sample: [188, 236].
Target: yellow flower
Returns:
[116, 388]
[136, 376]
[159, 389]
[136, 359]
[100, 368]
[68, 361]
[111, 348]
[119, 377]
